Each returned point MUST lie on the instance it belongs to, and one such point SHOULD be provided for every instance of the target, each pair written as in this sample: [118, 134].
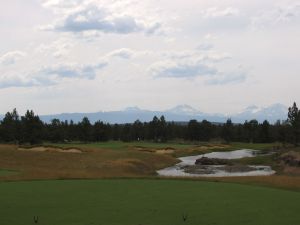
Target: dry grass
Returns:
[92, 163]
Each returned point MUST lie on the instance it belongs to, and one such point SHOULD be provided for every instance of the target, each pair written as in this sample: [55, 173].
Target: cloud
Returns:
[216, 12]
[8, 81]
[60, 3]
[51, 75]
[280, 15]
[197, 54]
[205, 47]
[89, 16]
[57, 49]
[73, 70]
[230, 78]
[195, 63]
[188, 63]
[217, 19]
[10, 58]
[124, 53]
[177, 69]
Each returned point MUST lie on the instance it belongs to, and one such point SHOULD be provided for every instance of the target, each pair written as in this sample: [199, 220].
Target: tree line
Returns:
[29, 129]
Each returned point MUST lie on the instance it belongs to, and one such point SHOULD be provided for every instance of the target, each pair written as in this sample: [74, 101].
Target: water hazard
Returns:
[188, 168]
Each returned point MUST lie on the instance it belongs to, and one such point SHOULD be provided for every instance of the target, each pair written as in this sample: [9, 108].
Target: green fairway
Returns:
[147, 202]
[255, 146]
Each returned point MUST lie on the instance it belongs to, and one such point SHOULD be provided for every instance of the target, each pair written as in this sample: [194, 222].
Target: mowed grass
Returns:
[5, 172]
[254, 146]
[147, 202]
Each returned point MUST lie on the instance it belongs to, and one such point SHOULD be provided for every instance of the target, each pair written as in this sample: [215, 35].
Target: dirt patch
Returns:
[51, 149]
[211, 147]
[165, 151]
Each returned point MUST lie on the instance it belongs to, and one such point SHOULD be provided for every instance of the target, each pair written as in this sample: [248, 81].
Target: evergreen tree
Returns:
[206, 130]
[10, 127]
[227, 131]
[85, 130]
[32, 128]
[101, 131]
[264, 135]
[294, 120]
[193, 130]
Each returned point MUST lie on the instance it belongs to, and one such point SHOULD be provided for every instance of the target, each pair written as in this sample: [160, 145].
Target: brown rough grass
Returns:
[92, 163]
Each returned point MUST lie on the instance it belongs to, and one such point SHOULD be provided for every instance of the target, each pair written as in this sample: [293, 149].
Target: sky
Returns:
[100, 55]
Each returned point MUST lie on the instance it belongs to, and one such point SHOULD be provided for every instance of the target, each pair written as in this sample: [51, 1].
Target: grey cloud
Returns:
[189, 63]
[24, 81]
[227, 79]
[182, 69]
[205, 47]
[94, 18]
[52, 75]
[73, 70]
[124, 53]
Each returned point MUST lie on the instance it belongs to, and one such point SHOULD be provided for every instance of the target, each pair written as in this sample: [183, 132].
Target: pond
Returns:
[188, 168]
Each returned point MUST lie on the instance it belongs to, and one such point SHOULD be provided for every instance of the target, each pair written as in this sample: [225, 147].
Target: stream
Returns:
[188, 168]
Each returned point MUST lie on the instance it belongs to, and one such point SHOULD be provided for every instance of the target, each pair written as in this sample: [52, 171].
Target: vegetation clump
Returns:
[212, 161]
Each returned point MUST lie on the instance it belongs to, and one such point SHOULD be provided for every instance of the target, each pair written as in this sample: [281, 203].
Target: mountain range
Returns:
[180, 113]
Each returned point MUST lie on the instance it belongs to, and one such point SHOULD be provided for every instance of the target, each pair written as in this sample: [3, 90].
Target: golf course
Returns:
[115, 183]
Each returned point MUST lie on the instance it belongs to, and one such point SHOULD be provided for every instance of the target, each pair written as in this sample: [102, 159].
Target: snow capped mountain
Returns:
[184, 109]
[182, 113]
[132, 109]
[252, 109]
[272, 113]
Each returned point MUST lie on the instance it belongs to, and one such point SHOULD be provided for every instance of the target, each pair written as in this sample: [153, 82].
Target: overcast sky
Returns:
[92, 55]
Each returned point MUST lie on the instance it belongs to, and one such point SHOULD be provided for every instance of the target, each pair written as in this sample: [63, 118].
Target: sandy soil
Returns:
[165, 151]
[50, 149]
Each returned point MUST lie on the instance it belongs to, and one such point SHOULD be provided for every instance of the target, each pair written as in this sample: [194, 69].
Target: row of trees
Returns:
[30, 129]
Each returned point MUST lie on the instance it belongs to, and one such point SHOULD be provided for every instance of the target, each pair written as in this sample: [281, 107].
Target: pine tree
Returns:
[294, 120]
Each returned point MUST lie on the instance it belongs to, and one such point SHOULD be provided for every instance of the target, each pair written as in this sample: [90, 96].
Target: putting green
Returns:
[147, 202]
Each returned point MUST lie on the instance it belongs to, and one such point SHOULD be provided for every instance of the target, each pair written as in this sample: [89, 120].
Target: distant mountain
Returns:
[272, 113]
[184, 110]
[180, 113]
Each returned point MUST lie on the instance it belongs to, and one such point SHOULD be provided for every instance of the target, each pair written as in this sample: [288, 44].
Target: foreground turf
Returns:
[5, 172]
[147, 202]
